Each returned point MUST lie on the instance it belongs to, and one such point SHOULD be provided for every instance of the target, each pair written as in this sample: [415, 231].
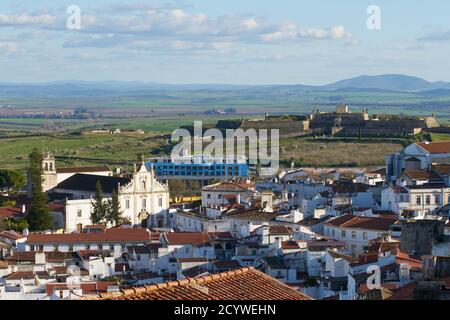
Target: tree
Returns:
[99, 207]
[11, 181]
[39, 217]
[114, 214]
[17, 225]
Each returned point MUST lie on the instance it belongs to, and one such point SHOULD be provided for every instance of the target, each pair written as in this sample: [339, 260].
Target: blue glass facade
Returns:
[169, 170]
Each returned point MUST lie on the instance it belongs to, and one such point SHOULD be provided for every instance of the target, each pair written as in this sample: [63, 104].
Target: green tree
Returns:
[17, 225]
[11, 181]
[99, 206]
[114, 213]
[39, 217]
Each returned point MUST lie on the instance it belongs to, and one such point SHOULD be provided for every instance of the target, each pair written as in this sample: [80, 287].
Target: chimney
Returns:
[25, 232]
[23, 209]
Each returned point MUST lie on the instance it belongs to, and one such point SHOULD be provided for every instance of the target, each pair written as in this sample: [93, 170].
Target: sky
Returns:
[222, 41]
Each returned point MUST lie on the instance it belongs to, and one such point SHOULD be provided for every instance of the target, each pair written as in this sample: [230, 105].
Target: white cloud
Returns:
[435, 35]
[291, 31]
[25, 19]
[8, 46]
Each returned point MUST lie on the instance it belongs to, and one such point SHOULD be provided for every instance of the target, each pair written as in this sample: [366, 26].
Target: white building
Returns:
[417, 156]
[357, 231]
[221, 193]
[142, 198]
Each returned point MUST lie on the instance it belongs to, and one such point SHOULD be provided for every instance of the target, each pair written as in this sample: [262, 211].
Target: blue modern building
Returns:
[198, 168]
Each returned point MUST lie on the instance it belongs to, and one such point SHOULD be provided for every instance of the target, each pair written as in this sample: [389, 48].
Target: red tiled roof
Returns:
[279, 230]
[418, 174]
[358, 222]
[9, 212]
[11, 235]
[436, 147]
[121, 267]
[241, 284]
[109, 235]
[194, 238]
[363, 288]
[413, 262]
[399, 189]
[60, 270]
[26, 275]
[404, 293]
[289, 245]
[443, 169]
[57, 207]
[87, 287]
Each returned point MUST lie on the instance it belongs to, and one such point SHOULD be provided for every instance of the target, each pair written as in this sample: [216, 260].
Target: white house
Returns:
[357, 231]
[417, 156]
[226, 192]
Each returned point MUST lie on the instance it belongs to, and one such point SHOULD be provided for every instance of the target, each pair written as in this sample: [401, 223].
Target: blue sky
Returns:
[226, 41]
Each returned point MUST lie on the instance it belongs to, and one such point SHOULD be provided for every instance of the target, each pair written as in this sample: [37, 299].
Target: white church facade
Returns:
[143, 199]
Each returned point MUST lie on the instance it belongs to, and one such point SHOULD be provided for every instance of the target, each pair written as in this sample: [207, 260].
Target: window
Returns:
[428, 200]
[219, 196]
[127, 204]
[79, 213]
[343, 234]
[208, 196]
[333, 232]
[205, 253]
[418, 200]
[353, 234]
[186, 249]
[365, 235]
[437, 199]
[160, 202]
[144, 203]
[448, 198]
[138, 257]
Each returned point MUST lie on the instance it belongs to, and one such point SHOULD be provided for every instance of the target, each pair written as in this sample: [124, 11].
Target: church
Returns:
[144, 201]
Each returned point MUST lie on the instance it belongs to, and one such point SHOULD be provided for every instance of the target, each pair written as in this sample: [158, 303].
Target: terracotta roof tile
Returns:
[195, 238]
[358, 222]
[232, 285]
[436, 147]
[9, 212]
[109, 235]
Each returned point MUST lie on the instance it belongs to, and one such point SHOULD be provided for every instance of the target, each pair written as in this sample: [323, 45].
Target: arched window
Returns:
[144, 185]
[46, 166]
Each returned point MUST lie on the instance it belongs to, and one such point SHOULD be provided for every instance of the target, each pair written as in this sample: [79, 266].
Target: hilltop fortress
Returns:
[341, 122]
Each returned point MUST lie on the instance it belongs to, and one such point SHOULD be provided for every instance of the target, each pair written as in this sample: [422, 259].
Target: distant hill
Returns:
[390, 82]
[370, 84]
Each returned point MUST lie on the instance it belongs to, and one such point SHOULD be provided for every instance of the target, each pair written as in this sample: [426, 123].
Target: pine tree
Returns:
[114, 215]
[99, 207]
[39, 217]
